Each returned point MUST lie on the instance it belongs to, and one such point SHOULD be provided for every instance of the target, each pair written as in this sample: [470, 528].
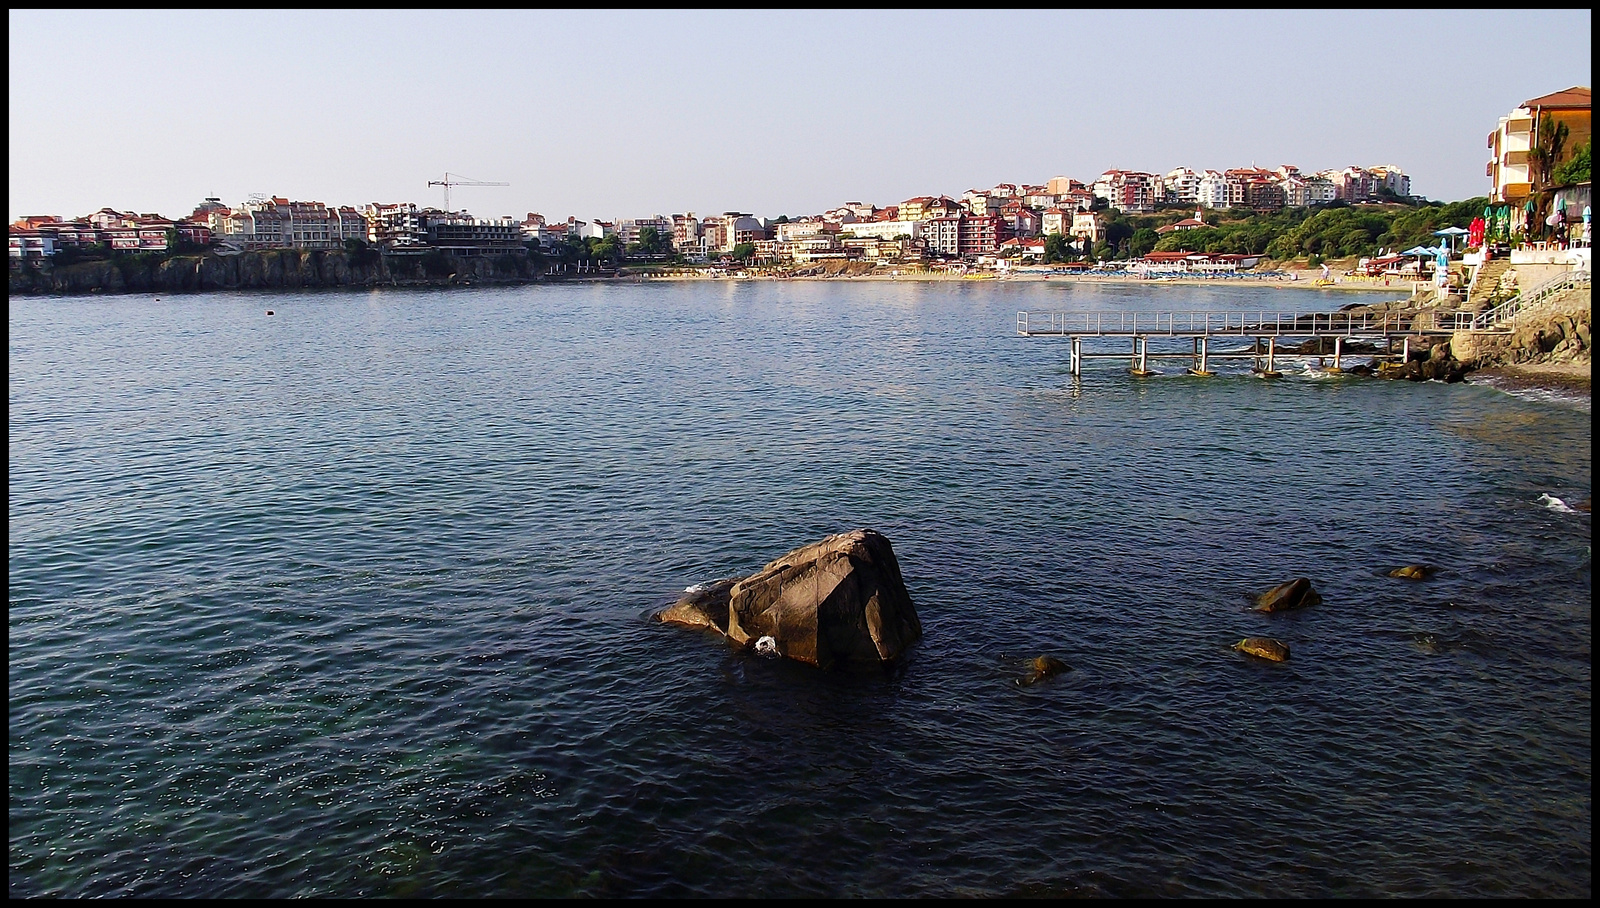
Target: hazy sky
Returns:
[627, 114]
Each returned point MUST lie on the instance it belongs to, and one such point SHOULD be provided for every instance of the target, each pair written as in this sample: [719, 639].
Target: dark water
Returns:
[353, 600]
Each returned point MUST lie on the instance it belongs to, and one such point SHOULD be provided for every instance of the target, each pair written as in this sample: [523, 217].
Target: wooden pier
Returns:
[1263, 329]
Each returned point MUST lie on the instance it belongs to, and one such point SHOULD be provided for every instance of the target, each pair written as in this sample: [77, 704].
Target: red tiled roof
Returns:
[1574, 97]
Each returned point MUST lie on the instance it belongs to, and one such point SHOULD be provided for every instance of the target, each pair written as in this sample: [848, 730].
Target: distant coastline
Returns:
[294, 269]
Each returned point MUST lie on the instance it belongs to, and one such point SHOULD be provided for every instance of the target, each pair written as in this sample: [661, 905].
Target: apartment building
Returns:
[1181, 185]
[804, 227]
[1055, 220]
[397, 226]
[628, 230]
[943, 235]
[278, 223]
[1132, 191]
[1392, 179]
[886, 230]
[463, 235]
[1019, 219]
[1089, 226]
[980, 235]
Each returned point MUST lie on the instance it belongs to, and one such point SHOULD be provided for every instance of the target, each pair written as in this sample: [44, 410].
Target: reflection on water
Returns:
[353, 601]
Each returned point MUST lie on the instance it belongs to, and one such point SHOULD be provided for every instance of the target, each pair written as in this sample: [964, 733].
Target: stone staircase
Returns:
[1570, 299]
[1486, 285]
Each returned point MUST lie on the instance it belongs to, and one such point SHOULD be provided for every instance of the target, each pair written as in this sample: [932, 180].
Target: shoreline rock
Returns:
[839, 600]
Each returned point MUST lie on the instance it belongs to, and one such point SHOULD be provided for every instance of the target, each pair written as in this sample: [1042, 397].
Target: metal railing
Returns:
[1240, 324]
[1504, 316]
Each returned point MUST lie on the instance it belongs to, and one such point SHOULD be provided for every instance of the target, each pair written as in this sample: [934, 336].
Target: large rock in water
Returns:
[840, 600]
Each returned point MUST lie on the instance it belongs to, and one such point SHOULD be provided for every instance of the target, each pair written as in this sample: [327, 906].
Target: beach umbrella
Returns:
[1450, 234]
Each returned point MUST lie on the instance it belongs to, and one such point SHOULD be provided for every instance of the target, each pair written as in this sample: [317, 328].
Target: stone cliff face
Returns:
[277, 269]
[1557, 333]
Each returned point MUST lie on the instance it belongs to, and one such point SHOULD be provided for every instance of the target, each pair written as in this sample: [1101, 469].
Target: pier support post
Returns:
[1077, 356]
[1272, 348]
[1338, 349]
[1201, 348]
[1140, 345]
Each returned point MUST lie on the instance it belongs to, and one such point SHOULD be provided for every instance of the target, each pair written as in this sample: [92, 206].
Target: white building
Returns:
[1056, 220]
[886, 230]
[277, 223]
[1181, 185]
[1212, 191]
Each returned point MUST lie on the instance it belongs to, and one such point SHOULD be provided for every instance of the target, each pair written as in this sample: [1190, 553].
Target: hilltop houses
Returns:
[980, 222]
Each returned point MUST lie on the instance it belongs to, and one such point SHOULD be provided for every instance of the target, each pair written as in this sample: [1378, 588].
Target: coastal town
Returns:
[1014, 219]
[544, 453]
[1536, 194]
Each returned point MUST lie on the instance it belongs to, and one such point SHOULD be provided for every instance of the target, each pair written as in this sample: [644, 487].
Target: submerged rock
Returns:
[1042, 667]
[1296, 593]
[1412, 572]
[839, 600]
[1264, 648]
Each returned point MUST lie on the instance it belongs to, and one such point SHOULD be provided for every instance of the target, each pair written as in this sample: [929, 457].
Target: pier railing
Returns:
[1239, 324]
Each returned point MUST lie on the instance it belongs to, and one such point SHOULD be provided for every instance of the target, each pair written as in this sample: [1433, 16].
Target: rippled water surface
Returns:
[353, 600]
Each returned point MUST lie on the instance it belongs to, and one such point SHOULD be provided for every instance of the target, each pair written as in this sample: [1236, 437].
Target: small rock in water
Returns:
[1412, 572]
[1296, 593]
[1263, 648]
[1042, 667]
[767, 646]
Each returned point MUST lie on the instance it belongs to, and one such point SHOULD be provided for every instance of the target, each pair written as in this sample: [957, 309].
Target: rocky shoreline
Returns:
[276, 269]
[1570, 379]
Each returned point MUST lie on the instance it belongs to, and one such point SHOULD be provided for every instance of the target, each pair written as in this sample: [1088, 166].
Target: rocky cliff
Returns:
[1557, 332]
[277, 269]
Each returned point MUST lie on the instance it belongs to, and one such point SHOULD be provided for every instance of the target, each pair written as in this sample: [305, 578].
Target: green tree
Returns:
[1574, 170]
[607, 249]
[743, 251]
[1546, 151]
[1057, 249]
[1142, 241]
[650, 242]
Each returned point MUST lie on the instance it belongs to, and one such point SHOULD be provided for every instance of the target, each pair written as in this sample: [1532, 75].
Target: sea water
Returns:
[355, 600]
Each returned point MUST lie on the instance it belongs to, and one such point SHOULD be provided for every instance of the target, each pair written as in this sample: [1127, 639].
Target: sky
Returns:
[599, 114]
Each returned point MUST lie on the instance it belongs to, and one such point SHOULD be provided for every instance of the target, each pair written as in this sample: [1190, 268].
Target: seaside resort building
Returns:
[1511, 167]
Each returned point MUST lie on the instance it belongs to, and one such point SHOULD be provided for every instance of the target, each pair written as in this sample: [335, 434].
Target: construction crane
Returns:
[459, 180]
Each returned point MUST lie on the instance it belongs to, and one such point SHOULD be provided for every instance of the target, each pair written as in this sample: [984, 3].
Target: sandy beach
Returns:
[1305, 281]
